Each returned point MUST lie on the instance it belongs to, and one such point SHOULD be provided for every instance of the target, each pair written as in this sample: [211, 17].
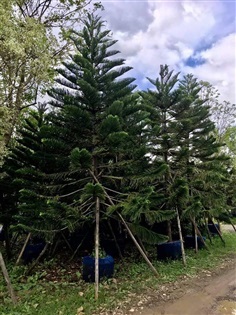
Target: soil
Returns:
[209, 293]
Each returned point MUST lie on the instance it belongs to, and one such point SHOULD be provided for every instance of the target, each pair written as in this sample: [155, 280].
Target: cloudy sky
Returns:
[195, 36]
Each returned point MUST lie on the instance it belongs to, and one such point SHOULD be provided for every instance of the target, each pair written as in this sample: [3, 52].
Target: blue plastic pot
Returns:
[170, 250]
[189, 241]
[106, 268]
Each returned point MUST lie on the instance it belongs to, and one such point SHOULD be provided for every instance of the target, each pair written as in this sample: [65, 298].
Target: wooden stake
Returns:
[181, 238]
[138, 246]
[231, 221]
[115, 239]
[218, 232]
[97, 217]
[207, 229]
[23, 248]
[7, 279]
[232, 225]
[199, 234]
[195, 236]
[37, 260]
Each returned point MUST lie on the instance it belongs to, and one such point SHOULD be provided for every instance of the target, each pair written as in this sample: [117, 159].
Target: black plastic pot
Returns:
[189, 241]
[106, 268]
[212, 228]
[170, 250]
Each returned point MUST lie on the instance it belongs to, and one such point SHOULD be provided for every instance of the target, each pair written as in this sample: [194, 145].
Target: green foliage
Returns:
[110, 125]
[4, 126]
[81, 158]
[146, 235]
[92, 190]
[36, 208]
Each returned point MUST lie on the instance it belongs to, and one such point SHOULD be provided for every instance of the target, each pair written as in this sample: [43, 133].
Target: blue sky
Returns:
[195, 36]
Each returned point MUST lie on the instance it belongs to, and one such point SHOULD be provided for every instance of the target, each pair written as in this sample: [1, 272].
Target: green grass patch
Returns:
[37, 296]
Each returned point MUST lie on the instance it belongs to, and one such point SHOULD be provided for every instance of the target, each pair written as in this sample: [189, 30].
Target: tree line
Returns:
[101, 149]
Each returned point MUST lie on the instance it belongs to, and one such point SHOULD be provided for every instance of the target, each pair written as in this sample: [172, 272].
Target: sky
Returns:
[197, 37]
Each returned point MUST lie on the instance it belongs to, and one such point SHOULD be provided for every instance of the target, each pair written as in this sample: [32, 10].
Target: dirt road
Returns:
[207, 295]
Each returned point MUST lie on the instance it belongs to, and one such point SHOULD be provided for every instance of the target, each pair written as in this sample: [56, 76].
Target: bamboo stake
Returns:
[232, 225]
[67, 243]
[78, 247]
[218, 232]
[37, 260]
[97, 217]
[23, 248]
[181, 238]
[207, 229]
[142, 246]
[128, 229]
[115, 239]
[231, 221]
[195, 236]
[138, 246]
[199, 234]
[8, 281]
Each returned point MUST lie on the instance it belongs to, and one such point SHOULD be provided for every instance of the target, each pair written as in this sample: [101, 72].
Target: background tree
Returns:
[198, 150]
[223, 113]
[4, 122]
[30, 49]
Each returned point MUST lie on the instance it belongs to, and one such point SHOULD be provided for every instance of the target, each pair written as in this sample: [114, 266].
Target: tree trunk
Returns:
[169, 231]
[181, 238]
[23, 248]
[7, 279]
[97, 216]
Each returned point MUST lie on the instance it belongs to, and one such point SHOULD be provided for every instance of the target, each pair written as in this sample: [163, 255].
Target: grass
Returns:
[38, 296]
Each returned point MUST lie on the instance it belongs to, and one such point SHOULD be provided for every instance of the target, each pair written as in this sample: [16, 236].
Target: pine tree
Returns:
[197, 144]
[29, 164]
[101, 118]
[162, 137]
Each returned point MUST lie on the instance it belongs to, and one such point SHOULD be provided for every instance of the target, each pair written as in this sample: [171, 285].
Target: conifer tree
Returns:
[162, 138]
[29, 164]
[100, 117]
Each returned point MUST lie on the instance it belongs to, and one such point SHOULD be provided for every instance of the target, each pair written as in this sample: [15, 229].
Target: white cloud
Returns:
[169, 32]
[219, 66]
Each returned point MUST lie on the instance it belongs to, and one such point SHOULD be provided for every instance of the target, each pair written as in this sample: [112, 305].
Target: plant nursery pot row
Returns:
[106, 268]
[170, 250]
[189, 241]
